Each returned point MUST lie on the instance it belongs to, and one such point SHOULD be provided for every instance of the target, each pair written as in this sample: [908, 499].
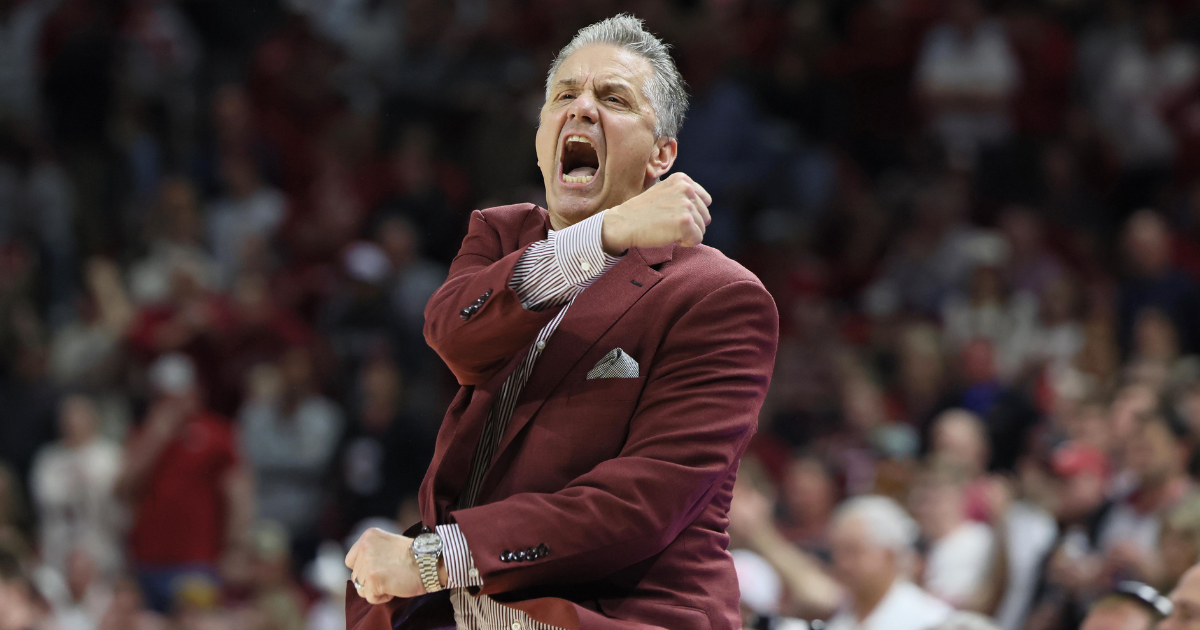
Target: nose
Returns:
[584, 108]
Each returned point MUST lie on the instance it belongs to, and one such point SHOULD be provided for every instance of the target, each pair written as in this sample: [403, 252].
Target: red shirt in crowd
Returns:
[182, 514]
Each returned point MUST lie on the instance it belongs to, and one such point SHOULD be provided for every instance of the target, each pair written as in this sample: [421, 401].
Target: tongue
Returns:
[582, 171]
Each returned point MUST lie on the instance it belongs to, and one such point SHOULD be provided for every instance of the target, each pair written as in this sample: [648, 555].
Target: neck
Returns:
[867, 601]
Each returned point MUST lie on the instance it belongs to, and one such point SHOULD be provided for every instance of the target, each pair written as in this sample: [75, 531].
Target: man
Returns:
[1157, 454]
[1154, 282]
[1185, 603]
[873, 550]
[1132, 606]
[612, 374]
[182, 478]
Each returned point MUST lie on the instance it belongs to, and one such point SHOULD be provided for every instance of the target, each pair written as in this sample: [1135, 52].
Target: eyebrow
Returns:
[612, 85]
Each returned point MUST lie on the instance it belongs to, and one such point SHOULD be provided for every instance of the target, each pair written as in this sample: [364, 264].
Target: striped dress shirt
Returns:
[550, 273]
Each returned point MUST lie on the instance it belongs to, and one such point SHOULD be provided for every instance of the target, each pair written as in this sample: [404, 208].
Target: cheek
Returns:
[545, 140]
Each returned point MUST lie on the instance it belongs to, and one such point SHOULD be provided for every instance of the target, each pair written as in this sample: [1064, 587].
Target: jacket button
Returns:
[506, 556]
[543, 549]
[522, 556]
[465, 314]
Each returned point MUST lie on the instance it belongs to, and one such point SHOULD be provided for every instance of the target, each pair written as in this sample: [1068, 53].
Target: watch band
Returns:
[427, 565]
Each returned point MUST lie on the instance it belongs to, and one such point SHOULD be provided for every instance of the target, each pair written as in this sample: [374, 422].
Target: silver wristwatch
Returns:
[427, 549]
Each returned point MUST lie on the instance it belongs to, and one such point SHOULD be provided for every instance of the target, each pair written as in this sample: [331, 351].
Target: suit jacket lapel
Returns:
[591, 315]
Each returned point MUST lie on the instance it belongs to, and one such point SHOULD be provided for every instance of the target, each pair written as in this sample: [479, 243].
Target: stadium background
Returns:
[220, 221]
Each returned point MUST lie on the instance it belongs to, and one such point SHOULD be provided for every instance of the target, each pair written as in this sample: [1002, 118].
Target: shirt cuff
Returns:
[579, 251]
[460, 567]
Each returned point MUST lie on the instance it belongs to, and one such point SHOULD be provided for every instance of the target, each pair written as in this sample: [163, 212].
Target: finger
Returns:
[702, 211]
[698, 220]
[352, 555]
[378, 599]
[701, 192]
[693, 232]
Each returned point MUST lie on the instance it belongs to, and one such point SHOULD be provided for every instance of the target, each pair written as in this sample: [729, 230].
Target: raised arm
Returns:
[494, 304]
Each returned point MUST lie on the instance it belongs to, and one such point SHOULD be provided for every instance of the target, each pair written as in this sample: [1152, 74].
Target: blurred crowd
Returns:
[220, 221]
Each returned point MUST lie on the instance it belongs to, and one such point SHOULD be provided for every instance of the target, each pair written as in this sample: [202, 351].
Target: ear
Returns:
[661, 160]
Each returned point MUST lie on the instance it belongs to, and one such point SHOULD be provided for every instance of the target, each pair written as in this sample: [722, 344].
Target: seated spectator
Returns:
[811, 592]
[873, 551]
[175, 231]
[182, 478]
[385, 450]
[966, 77]
[1156, 456]
[1006, 410]
[289, 435]
[962, 552]
[193, 320]
[72, 485]
[989, 310]
[1141, 75]
[243, 222]
[86, 354]
[1132, 606]
[1153, 282]
[360, 320]
[807, 499]
[1075, 569]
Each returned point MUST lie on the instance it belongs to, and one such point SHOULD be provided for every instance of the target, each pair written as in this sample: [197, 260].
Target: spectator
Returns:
[872, 539]
[1142, 74]
[1153, 283]
[242, 224]
[182, 477]
[1074, 569]
[811, 592]
[175, 231]
[1126, 611]
[72, 485]
[808, 498]
[966, 77]
[1156, 456]
[385, 451]
[961, 558]
[87, 355]
[289, 435]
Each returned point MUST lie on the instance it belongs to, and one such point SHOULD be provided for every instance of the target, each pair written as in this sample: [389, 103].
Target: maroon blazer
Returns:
[627, 481]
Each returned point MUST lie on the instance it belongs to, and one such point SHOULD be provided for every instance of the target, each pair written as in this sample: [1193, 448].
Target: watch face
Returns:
[427, 544]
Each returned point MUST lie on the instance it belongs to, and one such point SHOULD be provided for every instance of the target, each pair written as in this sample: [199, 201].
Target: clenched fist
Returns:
[674, 210]
[384, 565]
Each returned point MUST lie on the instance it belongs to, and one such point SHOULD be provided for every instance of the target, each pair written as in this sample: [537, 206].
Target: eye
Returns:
[565, 95]
[613, 99]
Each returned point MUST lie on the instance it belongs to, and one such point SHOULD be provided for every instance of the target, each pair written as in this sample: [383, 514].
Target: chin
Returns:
[574, 209]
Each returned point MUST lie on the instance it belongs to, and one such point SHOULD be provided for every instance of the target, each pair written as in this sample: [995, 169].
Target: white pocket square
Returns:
[615, 364]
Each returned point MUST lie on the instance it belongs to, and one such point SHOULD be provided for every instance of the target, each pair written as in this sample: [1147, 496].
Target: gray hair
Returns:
[664, 89]
[887, 524]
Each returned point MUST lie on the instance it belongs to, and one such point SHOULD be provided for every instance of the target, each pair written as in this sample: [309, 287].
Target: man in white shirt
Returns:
[872, 543]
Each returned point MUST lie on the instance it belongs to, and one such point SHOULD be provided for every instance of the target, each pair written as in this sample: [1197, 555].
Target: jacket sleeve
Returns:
[475, 321]
[696, 415]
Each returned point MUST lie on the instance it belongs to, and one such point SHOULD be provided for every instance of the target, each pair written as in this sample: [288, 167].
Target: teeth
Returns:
[581, 179]
[578, 139]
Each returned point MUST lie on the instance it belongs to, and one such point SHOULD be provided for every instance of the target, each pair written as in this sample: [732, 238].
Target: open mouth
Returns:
[579, 160]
